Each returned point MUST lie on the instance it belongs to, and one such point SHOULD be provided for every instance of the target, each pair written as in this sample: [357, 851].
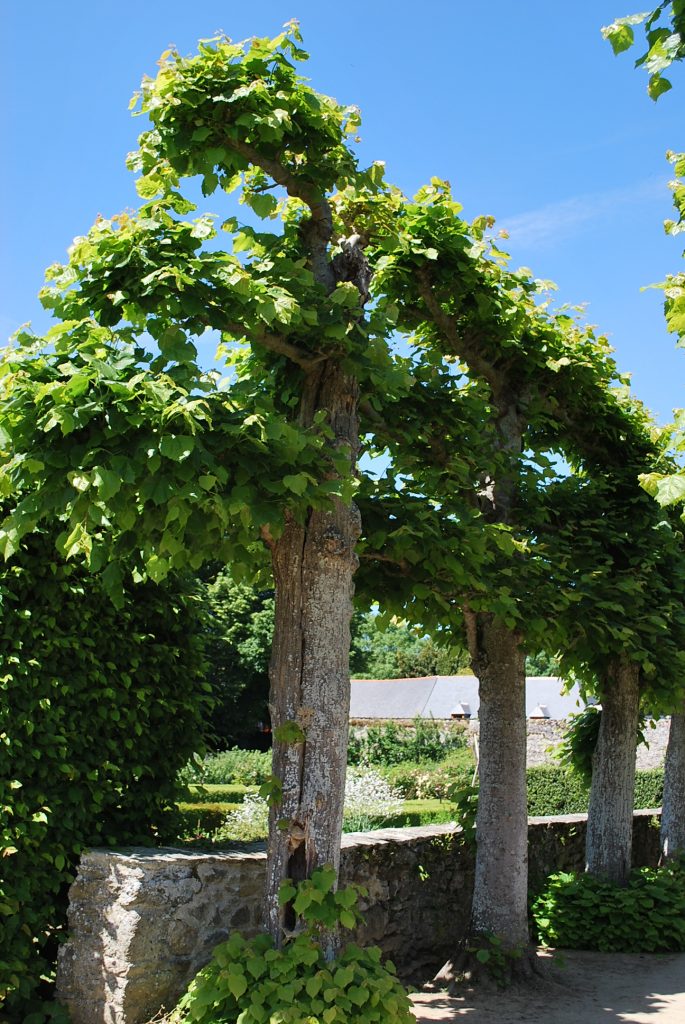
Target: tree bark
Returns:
[673, 810]
[313, 565]
[610, 814]
[500, 895]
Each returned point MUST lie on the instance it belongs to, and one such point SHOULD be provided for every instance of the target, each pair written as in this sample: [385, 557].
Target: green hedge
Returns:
[98, 709]
[198, 821]
[557, 790]
[216, 794]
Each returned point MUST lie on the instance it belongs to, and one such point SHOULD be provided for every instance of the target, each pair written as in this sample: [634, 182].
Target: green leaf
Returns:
[324, 878]
[313, 986]
[347, 919]
[671, 489]
[178, 447]
[157, 568]
[237, 984]
[297, 482]
[658, 85]
[175, 346]
[289, 732]
[621, 37]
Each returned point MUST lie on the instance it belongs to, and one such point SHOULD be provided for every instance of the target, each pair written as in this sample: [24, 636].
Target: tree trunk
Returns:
[612, 795]
[313, 564]
[673, 810]
[500, 895]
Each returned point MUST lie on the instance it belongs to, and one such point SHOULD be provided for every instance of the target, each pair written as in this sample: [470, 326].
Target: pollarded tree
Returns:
[113, 428]
[664, 29]
[542, 382]
[625, 636]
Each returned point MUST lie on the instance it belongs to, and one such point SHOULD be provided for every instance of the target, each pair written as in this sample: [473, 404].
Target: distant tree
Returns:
[542, 664]
[399, 651]
[238, 630]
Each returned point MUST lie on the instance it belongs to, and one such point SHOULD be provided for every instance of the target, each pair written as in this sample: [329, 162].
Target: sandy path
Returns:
[593, 988]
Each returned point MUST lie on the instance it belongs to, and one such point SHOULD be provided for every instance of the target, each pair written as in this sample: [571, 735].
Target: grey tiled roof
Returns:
[437, 696]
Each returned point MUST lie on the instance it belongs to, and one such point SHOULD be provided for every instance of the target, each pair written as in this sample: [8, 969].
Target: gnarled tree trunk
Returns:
[673, 810]
[608, 847]
[313, 564]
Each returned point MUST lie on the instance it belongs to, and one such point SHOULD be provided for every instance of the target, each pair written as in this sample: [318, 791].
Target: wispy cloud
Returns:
[556, 222]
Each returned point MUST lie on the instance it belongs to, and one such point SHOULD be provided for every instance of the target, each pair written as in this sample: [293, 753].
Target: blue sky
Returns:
[521, 106]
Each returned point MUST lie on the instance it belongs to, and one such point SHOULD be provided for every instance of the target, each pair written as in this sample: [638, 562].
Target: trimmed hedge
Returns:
[98, 709]
[197, 821]
[556, 790]
[217, 794]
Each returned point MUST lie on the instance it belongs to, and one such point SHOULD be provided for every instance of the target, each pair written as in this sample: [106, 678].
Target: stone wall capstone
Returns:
[142, 922]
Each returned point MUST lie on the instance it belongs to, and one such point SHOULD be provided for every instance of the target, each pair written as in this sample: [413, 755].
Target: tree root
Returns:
[480, 963]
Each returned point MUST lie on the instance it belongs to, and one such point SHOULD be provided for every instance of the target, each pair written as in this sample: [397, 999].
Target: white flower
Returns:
[368, 798]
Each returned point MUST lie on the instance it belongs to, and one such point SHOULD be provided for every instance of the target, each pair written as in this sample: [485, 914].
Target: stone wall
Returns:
[142, 922]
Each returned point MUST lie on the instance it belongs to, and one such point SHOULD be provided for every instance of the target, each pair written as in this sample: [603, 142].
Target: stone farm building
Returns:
[455, 698]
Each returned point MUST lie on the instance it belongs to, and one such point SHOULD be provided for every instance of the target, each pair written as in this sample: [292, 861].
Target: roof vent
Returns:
[541, 711]
[461, 712]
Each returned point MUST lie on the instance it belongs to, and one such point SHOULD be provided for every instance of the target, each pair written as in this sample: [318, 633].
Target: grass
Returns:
[201, 816]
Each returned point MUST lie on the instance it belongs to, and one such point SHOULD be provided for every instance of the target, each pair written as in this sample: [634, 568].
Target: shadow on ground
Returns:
[591, 988]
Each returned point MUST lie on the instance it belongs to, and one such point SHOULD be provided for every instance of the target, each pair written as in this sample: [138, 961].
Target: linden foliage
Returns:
[251, 982]
[488, 350]
[109, 423]
[665, 41]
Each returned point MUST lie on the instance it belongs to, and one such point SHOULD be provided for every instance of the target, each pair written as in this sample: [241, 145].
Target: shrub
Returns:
[92, 730]
[201, 821]
[582, 912]
[431, 781]
[252, 982]
[235, 766]
[369, 799]
[649, 787]
[387, 744]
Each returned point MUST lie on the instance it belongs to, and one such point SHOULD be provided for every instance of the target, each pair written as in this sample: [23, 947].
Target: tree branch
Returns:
[265, 534]
[462, 345]
[274, 342]
[319, 231]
